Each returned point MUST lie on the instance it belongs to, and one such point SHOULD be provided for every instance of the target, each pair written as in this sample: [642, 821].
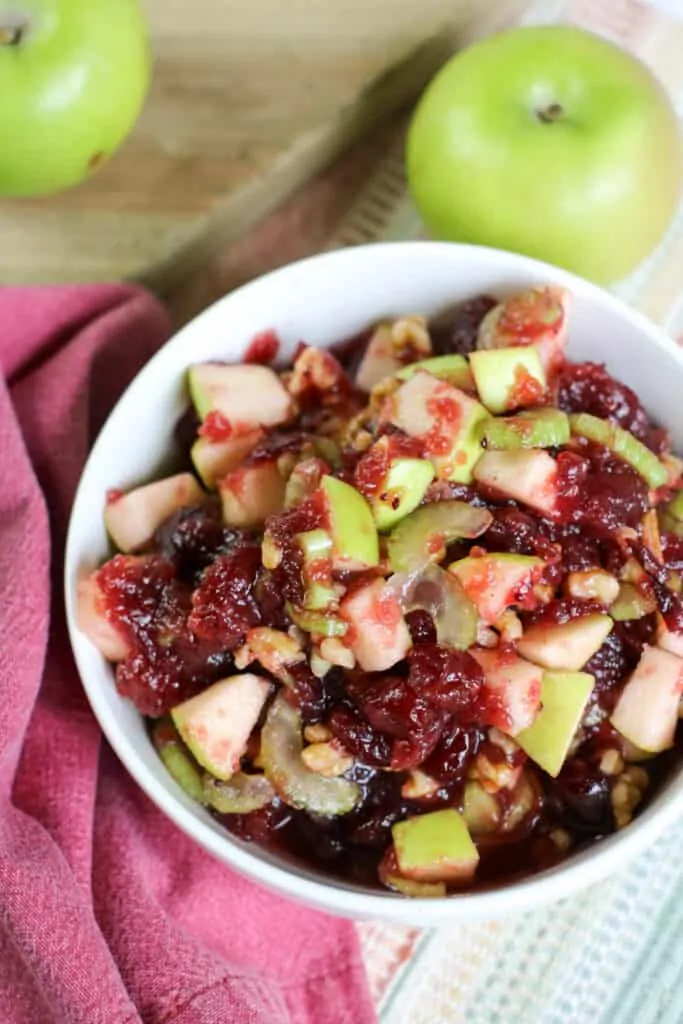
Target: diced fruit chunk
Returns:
[435, 847]
[647, 710]
[132, 518]
[378, 634]
[93, 620]
[534, 428]
[177, 760]
[422, 537]
[351, 525]
[401, 490]
[496, 581]
[297, 785]
[443, 418]
[528, 476]
[213, 459]
[252, 493]
[452, 368]
[564, 696]
[513, 690]
[667, 639]
[508, 378]
[622, 444]
[246, 395]
[633, 603]
[217, 723]
[565, 645]
[537, 317]
[481, 810]
[379, 360]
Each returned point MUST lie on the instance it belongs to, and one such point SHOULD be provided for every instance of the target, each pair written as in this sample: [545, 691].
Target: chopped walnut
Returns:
[509, 625]
[410, 338]
[336, 653]
[627, 793]
[418, 785]
[271, 552]
[611, 762]
[274, 650]
[319, 666]
[317, 733]
[486, 637]
[592, 585]
[561, 839]
[330, 758]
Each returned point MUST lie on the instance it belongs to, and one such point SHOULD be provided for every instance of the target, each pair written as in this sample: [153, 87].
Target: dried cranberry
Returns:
[599, 491]
[581, 798]
[223, 605]
[456, 330]
[358, 736]
[191, 537]
[588, 387]
[258, 826]
[421, 626]
[454, 753]
[449, 679]
[672, 549]
[142, 596]
[382, 807]
[155, 679]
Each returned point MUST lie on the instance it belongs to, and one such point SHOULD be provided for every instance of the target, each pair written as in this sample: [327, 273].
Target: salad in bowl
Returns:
[410, 610]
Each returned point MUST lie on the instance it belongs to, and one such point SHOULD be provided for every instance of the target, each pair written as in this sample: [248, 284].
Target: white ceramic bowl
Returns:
[323, 300]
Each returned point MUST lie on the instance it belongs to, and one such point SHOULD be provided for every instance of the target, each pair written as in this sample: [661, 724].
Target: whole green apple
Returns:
[548, 141]
[73, 77]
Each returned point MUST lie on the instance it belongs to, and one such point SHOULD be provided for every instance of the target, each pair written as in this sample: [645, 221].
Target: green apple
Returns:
[73, 77]
[565, 646]
[534, 428]
[564, 696]
[435, 847]
[548, 141]
[508, 378]
[622, 444]
[177, 759]
[423, 536]
[493, 581]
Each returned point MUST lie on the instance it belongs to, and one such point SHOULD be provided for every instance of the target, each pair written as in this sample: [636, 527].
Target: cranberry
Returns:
[581, 798]
[358, 736]
[263, 348]
[258, 826]
[451, 680]
[155, 679]
[588, 387]
[454, 753]
[672, 548]
[223, 605]
[598, 491]
[142, 595]
[421, 626]
[456, 330]
[191, 537]
[382, 807]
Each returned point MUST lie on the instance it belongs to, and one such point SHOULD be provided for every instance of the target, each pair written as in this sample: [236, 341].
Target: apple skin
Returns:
[591, 189]
[72, 85]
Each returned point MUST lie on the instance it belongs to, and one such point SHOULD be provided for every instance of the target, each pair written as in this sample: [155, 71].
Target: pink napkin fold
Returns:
[107, 912]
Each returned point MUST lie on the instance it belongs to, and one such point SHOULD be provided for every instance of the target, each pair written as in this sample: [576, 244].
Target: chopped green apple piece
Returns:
[245, 395]
[316, 621]
[452, 368]
[565, 646]
[528, 476]
[443, 418]
[401, 490]
[379, 361]
[423, 536]
[351, 525]
[252, 493]
[631, 603]
[675, 506]
[564, 696]
[132, 518]
[378, 634]
[435, 847]
[538, 316]
[177, 760]
[647, 710]
[534, 428]
[669, 524]
[315, 544]
[508, 378]
[295, 783]
[409, 887]
[241, 794]
[514, 688]
[481, 810]
[95, 622]
[214, 459]
[622, 444]
[496, 581]
[217, 723]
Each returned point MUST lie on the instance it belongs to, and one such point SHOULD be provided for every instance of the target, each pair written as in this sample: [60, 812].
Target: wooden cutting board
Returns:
[247, 101]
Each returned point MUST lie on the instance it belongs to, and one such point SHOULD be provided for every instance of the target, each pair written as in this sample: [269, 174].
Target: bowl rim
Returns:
[577, 873]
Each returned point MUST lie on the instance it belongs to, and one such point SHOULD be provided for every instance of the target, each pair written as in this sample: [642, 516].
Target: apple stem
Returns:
[11, 36]
[553, 112]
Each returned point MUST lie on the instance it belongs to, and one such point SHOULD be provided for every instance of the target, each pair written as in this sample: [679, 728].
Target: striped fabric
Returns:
[613, 955]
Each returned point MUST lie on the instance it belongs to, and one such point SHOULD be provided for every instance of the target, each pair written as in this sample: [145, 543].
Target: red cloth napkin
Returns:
[107, 912]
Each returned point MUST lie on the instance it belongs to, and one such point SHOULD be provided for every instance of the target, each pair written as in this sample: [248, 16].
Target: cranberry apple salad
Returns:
[412, 612]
